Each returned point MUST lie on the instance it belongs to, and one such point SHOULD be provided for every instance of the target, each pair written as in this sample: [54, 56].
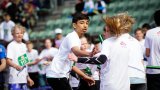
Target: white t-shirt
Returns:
[33, 55]
[142, 43]
[5, 31]
[60, 65]
[142, 46]
[136, 67]
[14, 50]
[94, 70]
[114, 72]
[45, 53]
[152, 41]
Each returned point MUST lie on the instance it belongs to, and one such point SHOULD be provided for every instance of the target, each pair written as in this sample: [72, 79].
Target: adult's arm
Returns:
[79, 52]
[93, 60]
[101, 59]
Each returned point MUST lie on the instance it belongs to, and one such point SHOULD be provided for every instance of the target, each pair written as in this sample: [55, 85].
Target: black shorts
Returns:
[153, 81]
[35, 77]
[83, 85]
[59, 83]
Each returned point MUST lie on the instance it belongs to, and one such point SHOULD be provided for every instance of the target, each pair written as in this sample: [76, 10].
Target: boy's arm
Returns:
[79, 52]
[89, 60]
[3, 64]
[147, 52]
[12, 64]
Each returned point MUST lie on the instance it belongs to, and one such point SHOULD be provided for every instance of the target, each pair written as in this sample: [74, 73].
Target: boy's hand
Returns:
[30, 82]
[18, 67]
[89, 80]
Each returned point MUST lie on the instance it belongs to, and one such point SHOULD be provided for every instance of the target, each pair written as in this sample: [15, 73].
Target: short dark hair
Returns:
[29, 42]
[146, 25]
[79, 16]
[157, 17]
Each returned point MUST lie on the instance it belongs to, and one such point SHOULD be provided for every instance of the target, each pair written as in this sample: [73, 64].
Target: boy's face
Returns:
[81, 26]
[139, 35]
[84, 44]
[18, 35]
[48, 43]
[7, 18]
[29, 46]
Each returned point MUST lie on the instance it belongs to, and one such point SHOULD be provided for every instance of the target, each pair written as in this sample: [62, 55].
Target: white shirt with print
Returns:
[32, 56]
[14, 50]
[6, 28]
[114, 72]
[152, 41]
[61, 66]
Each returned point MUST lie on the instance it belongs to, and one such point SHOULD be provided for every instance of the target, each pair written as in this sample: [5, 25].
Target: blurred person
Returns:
[119, 50]
[24, 22]
[58, 73]
[59, 37]
[33, 69]
[45, 59]
[16, 59]
[90, 41]
[106, 32]
[14, 9]
[90, 70]
[145, 28]
[4, 4]
[136, 65]
[100, 6]
[152, 44]
[6, 28]
[89, 8]
[79, 6]
[139, 35]
[2, 65]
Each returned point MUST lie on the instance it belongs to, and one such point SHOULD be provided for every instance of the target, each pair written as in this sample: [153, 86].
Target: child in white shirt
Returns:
[16, 59]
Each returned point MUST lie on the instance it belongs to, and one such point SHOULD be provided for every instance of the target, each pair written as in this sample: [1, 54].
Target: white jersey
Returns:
[5, 30]
[152, 41]
[136, 67]
[32, 56]
[46, 53]
[61, 65]
[14, 50]
[114, 72]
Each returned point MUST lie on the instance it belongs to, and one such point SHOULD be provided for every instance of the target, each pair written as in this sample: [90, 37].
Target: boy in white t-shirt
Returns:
[6, 28]
[118, 50]
[45, 57]
[152, 44]
[33, 69]
[58, 72]
[16, 58]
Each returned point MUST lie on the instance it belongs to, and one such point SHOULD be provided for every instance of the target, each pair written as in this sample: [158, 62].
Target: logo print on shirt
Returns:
[158, 33]
[123, 44]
